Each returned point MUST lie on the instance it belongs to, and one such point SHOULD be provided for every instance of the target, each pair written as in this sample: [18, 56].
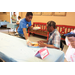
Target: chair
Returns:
[61, 45]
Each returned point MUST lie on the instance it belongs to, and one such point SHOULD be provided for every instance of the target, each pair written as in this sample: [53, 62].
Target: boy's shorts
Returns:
[22, 35]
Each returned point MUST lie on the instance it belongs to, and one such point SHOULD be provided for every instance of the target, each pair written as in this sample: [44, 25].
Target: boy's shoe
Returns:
[16, 33]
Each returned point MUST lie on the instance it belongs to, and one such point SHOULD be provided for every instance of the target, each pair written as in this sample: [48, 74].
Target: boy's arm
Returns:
[30, 28]
[12, 19]
[45, 41]
[26, 37]
[25, 33]
[47, 45]
[51, 46]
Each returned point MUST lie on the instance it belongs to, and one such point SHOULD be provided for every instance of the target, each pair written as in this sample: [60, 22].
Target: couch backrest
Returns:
[42, 25]
[63, 29]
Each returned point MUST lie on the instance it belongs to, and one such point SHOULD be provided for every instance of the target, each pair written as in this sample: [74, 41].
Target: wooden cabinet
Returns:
[22, 14]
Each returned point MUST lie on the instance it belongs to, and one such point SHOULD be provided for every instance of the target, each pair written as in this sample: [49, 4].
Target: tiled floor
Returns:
[34, 38]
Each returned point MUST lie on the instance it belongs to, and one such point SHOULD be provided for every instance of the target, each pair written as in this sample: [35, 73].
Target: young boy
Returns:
[18, 22]
[24, 24]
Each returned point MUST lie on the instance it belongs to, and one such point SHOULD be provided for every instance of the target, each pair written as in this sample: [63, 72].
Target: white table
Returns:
[13, 49]
[3, 23]
[12, 25]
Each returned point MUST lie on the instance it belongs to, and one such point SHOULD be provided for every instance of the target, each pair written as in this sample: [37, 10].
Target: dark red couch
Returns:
[63, 29]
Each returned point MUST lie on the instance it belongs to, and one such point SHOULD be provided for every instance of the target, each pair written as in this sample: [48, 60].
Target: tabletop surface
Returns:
[3, 23]
[15, 49]
[11, 24]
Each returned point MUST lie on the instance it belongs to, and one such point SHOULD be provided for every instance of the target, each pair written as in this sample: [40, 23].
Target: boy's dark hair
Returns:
[51, 23]
[29, 13]
[19, 17]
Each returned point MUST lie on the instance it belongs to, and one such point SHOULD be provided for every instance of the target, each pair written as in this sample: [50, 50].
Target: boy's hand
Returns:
[28, 42]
